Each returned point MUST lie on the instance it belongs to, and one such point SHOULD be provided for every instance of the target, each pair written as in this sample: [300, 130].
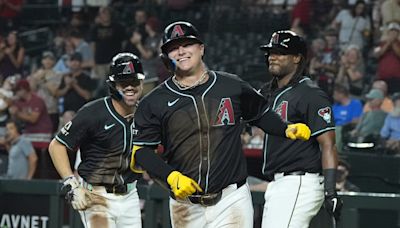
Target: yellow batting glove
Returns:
[181, 185]
[298, 131]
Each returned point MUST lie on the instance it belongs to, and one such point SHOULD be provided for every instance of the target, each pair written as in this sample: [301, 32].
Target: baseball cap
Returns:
[393, 26]
[286, 42]
[48, 54]
[375, 94]
[22, 84]
[76, 56]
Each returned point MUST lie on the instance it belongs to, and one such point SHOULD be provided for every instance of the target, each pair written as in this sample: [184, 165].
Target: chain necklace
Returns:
[182, 86]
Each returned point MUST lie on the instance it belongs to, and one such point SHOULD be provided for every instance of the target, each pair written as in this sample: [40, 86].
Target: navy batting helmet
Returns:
[124, 67]
[178, 31]
[286, 42]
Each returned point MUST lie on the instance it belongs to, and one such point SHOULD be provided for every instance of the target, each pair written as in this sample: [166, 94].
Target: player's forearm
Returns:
[59, 156]
[271, 123]
[152, 163]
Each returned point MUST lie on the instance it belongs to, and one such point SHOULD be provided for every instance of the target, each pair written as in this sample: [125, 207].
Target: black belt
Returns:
[295, 173]
[208, 199]
[116, 189]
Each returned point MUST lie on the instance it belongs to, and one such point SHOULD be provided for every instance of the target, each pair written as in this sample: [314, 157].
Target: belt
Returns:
[294, 173]
[209, 199]
[109, 188]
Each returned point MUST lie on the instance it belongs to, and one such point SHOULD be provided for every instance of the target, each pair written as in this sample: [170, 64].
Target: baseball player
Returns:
[103, 130]
[197, 115]
[297, 169]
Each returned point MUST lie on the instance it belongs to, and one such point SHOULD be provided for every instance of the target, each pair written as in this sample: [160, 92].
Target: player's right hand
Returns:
[76, 195]
[333, 204]
[298, 131]
[181, 185]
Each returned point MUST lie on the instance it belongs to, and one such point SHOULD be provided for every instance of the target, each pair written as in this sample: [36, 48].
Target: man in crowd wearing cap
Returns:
[31, 110]
[198, 115]
[77, 86]
[390, 131]
[387, 104]
[102, 130]
[371, 122]
[45, 82]
[301, 173]
[388, 53]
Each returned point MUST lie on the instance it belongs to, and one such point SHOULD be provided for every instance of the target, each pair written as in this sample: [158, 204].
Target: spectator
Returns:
[352, 71]
[22, 158]
[76, 87]
[139, 23]
[371, 122]
[390, 131]
[9, 14]
[62, 63]
[387, 104]
[342, 184]
[390, 11]
[81, 46]
[12, 56]
[45, 82]
[354, 25]
[388, 53]
[346, 112]
[30, 109]
[106, 40]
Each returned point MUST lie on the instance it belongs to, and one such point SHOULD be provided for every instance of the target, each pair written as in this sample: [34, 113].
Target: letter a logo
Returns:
[129, 69]
[177, 31]
[225, 115]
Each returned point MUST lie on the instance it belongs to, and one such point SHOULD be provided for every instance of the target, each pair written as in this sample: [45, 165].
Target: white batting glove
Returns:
[76, 195]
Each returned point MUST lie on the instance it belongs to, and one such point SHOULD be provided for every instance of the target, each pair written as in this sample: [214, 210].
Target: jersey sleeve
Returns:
[148, 125]
[317, 110]
[73, 132]
[252, 103]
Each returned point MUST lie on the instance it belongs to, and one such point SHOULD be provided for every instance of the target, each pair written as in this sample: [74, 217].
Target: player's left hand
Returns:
[298, 131]
[333, 204]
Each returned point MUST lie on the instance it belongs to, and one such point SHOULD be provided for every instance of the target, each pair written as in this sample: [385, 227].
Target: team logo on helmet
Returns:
[129, 68]
[326, 114]
[177, 31]
[275, 38]
[225, 115]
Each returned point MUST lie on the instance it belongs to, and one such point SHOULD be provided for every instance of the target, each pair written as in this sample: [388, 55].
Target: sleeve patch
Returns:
[326, 114]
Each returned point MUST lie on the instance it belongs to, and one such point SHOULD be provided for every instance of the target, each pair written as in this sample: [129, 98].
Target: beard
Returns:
[279, 71]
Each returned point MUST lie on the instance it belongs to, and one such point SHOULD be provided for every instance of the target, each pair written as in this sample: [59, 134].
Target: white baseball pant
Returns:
[234, 210]
[121, 210]
[292, 201]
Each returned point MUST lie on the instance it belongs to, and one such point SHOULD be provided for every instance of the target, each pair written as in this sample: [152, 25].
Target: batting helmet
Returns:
[178, 31]
[124, 66]
[286, 42]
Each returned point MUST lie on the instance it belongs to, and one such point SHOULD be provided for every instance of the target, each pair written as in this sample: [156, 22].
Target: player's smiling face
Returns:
[131, 90]
[281, 65]
[187, 54]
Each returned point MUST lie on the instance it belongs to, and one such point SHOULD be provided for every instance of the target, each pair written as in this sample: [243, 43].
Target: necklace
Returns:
[186, 87]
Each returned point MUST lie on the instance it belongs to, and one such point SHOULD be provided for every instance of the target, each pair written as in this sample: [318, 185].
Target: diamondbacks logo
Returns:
[177, 31]
[225, 115]
[326, 114]
[275, 38]
[129, 69]
[282, 110]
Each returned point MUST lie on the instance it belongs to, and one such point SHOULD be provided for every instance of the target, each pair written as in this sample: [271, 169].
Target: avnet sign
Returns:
[23, 221]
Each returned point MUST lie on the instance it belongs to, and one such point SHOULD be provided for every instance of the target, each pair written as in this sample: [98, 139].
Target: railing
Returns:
[40, 202]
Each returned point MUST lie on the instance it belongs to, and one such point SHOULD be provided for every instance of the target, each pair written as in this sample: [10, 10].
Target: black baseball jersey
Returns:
[200, 127]
[306, 103]
[105, 140]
